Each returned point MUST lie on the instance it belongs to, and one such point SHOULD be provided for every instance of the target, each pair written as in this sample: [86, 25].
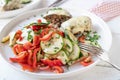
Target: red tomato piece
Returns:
[35, 27]
[39, 21]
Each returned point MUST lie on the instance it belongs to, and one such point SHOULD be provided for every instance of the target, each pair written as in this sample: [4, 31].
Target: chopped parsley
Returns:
[39, 31]
[56, 9]
[67, 46]
[30, 37]
[56, 48]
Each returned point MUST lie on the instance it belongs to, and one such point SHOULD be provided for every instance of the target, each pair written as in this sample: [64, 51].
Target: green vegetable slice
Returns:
[54, 45]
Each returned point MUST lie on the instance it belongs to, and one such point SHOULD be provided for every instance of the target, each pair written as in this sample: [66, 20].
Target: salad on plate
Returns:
[51, 43]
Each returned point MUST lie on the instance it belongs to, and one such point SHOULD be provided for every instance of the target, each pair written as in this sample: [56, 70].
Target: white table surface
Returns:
[102, 71]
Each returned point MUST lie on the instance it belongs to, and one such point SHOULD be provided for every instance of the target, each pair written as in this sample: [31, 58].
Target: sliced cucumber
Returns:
[63, 57]
[68, 45]
[68, 53]
[54, 45]
[75, 53]
[70, 36]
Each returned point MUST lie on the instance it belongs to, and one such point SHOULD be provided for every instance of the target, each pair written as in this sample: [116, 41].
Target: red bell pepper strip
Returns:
[27, 67]
[30, 57]
[36, 40]
[44, 67]
[18, 48]
[47, 37]
[85, 63]
[57, 69]
[35, 57]
[20, 58]
[82, 39]
[52, 62]
[60, 33]
[44, 32]
[14, 49]
[27, 45]
[18, 34]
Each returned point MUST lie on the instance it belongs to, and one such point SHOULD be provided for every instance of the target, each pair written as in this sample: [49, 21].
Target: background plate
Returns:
[12, 13]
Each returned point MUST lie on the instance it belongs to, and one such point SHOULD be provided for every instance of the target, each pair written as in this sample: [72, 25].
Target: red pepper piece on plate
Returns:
[82, 39]
[20, 58]
[27, 45]
[35, 57]
[27, 67]
[57, 69]
[30, 57]
[86, 63]
[36, 40]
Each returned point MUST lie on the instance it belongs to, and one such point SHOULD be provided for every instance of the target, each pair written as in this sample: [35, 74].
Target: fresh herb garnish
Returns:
[30, 37]
[38, 32]
[56, 9]
[7, 1]
[67, 46]
[58, 37]
[92, 36]
[56, 48]
[80, 55]
[45, 23]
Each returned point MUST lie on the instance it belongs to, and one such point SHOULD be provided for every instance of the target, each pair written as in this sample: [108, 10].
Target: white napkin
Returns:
[107, 9]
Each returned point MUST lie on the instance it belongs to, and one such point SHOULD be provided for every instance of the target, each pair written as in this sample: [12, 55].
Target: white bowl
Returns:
[98, 24]
[12, 13]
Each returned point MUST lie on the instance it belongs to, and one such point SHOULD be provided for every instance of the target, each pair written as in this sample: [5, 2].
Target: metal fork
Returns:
[99, 52]
[57, 3]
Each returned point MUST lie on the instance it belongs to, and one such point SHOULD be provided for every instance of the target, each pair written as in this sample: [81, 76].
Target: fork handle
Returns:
[113, 65]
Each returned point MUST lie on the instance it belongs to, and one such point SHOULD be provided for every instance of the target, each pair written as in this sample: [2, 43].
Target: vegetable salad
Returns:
[41, 46]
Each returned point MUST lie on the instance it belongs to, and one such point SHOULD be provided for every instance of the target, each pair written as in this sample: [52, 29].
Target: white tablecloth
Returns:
[100, 72]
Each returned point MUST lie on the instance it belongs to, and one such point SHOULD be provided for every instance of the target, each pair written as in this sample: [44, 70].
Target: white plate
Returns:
[12, 13]
[20, 21]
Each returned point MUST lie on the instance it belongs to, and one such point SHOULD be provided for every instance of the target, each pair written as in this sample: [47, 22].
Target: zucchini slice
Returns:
[63, 57]
[68, 45]
[70, 36]
[75, 53]
[54, 45]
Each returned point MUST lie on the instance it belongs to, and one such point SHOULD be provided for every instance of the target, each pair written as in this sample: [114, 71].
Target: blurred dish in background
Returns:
[7, 5]
[10, 8]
